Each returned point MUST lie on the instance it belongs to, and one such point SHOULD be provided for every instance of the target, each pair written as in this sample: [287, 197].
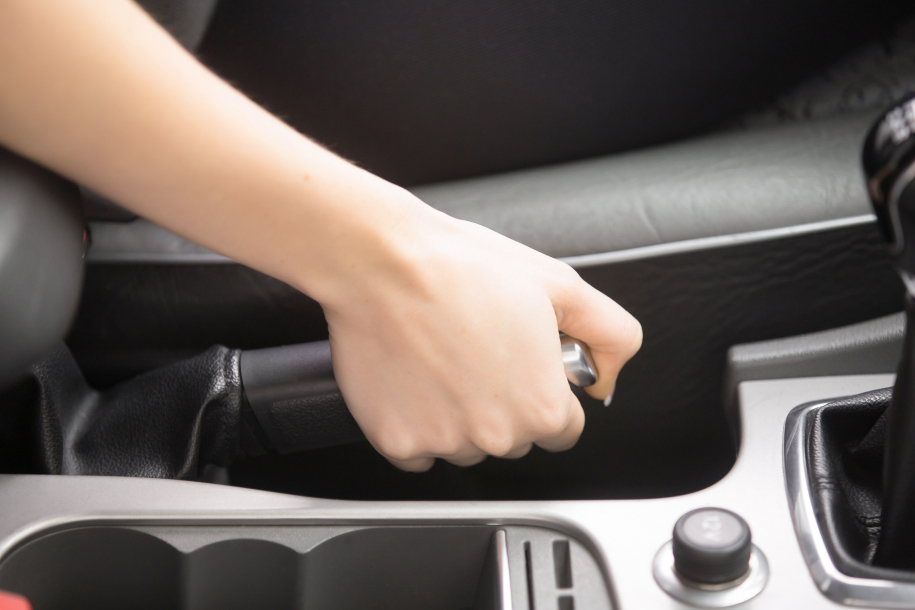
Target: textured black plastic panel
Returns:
[136, 317]
[666, 432]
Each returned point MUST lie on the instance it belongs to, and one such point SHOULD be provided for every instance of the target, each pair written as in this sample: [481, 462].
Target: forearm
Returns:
[95, 90]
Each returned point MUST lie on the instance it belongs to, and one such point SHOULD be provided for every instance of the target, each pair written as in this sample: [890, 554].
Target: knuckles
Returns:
[496, 442]
[450, 445]
[537, 419]
[540, 412]
[551, 418]
[566, 273]
[631, 337]
[420, 465]
[402, 446]
[395, 446]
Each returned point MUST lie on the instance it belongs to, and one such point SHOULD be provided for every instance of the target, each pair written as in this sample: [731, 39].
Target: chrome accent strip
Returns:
[159, 258]
[718, 241]
[748, 588]
[900, 184]
[835, 585]
[504, 576]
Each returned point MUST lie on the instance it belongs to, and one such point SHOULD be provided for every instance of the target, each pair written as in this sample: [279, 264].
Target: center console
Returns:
[182, 544]
[816, 511]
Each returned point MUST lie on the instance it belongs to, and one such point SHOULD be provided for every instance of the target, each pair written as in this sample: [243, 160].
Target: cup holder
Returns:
[240, 574]
[397, 568]
[191, 567]
[95, 567]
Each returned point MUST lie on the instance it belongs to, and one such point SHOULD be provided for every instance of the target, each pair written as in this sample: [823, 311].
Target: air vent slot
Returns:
[529, 570]
[562, 563]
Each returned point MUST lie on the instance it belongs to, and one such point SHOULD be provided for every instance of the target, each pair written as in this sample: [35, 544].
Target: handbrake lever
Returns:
[293, 395]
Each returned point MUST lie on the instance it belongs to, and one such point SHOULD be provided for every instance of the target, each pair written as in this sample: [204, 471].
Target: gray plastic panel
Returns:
[41, 265]
[723, 184]
[584, 587]
[738, 182]
[141, 241]
[870, 347]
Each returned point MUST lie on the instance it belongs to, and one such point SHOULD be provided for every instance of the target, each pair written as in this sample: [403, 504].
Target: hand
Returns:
[444, 334]
[454, 352]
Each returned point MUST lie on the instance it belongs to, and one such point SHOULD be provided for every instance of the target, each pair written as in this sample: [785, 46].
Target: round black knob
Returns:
[711, 546]
[889, 167]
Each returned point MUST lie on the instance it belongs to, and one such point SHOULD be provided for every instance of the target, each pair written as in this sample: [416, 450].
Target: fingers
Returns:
[613, 335]
[550, 417]
[467, 461]
[465, 418]
[470, 454]
[519, 452]
[414, 465]
[570, 434]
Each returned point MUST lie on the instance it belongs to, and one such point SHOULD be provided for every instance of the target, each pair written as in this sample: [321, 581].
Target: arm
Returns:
[95, 90]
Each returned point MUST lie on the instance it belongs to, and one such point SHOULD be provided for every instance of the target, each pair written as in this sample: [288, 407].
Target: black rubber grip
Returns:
[294, 395]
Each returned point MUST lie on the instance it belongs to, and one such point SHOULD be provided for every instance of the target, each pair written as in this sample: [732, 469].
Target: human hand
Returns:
[453, 350]
[444, 334]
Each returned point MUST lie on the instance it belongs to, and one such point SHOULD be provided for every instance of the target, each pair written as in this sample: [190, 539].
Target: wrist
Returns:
[371, 243]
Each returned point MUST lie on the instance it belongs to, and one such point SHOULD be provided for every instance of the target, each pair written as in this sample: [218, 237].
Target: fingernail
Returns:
[609, 398]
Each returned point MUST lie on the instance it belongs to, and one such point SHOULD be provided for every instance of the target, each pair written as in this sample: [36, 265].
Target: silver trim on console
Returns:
[718, 241]
[719, 597]
[835, 585]
[505, 581]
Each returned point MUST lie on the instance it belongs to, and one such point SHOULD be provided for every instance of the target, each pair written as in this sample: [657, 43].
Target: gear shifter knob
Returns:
[889, 165]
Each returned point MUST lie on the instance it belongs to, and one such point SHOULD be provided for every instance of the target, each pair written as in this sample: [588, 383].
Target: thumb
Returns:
[613, 335]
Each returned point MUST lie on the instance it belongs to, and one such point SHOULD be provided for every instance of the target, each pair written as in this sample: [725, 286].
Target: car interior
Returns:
[171, 433]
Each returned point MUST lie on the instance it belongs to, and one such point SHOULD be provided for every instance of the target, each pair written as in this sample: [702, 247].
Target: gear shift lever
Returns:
[889, 164]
